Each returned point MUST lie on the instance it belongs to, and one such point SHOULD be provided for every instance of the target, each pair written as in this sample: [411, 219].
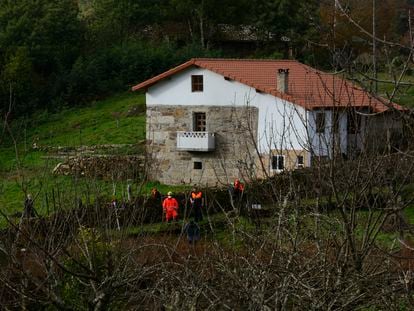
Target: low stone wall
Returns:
[103, 167]
[85, 150]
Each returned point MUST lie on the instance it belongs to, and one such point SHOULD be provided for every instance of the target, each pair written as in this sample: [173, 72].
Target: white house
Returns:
[212, 120]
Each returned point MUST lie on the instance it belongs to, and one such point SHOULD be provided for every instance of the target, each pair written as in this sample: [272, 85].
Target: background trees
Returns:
[39, 43]
[69, 52]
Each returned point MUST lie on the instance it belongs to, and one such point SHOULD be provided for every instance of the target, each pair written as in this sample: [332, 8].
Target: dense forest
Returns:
[56, 53]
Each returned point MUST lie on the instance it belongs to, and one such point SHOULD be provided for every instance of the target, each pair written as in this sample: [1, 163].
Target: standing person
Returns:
[155, 194]
[170, 207]
[193, 232]
[197, 202]
[155, 201]
[114, 202]
[238, 189]
[29, 210]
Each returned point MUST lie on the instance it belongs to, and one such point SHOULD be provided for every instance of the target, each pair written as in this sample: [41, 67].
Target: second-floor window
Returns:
[197, 83]
[199, 122]
[320, 122]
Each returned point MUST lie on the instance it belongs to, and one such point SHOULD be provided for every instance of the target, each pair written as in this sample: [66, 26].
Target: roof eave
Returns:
[150, 82]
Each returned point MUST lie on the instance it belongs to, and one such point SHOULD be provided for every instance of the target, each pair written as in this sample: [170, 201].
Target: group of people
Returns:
[170, 204]
[170, 208]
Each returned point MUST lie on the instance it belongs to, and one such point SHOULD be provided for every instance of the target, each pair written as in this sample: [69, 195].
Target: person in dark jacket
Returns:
[197, 202]
[155, 194]
[193, 232]
[29, 210]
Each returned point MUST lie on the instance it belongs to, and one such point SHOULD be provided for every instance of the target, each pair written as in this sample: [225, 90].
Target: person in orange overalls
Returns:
[238, 186]
[238, 189]
[170, 207]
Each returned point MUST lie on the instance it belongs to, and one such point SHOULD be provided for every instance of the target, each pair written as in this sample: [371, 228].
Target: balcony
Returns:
[196, 141]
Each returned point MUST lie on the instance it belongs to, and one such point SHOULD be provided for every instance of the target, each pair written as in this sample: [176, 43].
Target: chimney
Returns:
[283, 80]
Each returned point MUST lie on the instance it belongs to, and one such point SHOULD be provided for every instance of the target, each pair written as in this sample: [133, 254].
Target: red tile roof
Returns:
[307, 87]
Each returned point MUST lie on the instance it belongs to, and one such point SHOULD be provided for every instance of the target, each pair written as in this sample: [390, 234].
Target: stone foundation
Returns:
[234, 155]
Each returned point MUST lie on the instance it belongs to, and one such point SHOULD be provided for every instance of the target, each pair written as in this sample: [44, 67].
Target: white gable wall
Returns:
[281, 124]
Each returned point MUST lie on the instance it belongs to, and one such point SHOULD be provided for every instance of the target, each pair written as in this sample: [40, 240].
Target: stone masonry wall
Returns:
[234, 155]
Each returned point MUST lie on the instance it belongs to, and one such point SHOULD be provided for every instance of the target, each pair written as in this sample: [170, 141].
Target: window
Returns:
[196, 83]
[353, 122]
[278, 162]
[200, 122]
[300, 161]
[198, 165]
[320, 122]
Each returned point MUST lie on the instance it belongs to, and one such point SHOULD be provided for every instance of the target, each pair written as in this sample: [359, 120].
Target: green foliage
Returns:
[111, 21]
[39, 41]
[57, 53]
[203, 17]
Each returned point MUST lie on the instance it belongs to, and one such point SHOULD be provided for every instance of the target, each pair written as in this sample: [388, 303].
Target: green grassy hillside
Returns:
[116, 120]
[27, 151]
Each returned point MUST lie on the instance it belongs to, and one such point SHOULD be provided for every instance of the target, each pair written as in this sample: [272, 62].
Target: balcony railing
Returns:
[196, 141]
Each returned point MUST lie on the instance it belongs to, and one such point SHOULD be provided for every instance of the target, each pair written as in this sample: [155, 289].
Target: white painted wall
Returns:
[282, 125]
[322, 143]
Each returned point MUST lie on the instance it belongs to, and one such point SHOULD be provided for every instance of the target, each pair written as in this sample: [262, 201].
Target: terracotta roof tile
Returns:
[307, 87]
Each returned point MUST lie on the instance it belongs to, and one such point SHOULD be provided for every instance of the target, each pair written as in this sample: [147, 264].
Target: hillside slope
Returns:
[29, 153]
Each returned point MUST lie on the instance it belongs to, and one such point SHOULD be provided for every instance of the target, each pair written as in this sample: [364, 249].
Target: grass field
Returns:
[24, 169]
[117, 120]
[403, 95]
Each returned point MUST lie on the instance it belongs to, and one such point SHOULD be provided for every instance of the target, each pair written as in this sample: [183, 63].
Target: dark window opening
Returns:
[335, 122]
[278, 162]
[300, 161]
[353, 122]
[200, 122]
[320, 122]
[198, 165]
[197, 83]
